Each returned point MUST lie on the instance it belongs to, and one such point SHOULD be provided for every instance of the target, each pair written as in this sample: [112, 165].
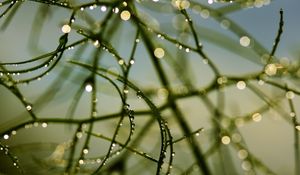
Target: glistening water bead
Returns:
[66, 28]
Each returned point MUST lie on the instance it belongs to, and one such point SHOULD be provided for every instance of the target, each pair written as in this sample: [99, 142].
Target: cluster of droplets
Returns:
[14, 159]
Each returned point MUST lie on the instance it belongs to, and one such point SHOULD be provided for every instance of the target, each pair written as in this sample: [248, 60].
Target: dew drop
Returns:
[132, 62]
[159, 52]
[297, 127]
[243, 154]
[126, 91]
[246, 165]
[205, 61]
[173, 154]
[13, 132]
[85, 151]
[81, 162]
[96, 43]
[44, 125]
[6, 136]
[116, 10]
[292, 114]
[236, 137]
[241, 85]
[245, 41]
[35, 124]
[187, 50]
[225, 140]
[290, 94]
[66, 28]
[79, 135]
[121, 62]
[204, 13]
[125, 15]
[103, 8]
[271, 69]
[138, 94]
[29, 107]
[225, 24]
[126, 106]
[88, 87]
[256, 117]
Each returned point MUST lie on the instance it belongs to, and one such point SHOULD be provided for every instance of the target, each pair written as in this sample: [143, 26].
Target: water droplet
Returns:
[256, 117]
[162, 93]
[121, 62]
[13, 132]
[137, 40]
[66, 28]
[236, 137]
[187, 50]
[88, 87]
[292, 114]
[29, 107]
[159, 52]
[98, 160]
[225, 140]
[126, 106]
[243, 154]
[173, 154]
[290, 94]
[138, 94]
[116, 10]
[79, 135]
[81, 162]
[245, 41]
[6, 136]
[241, 85]
[103, 8]
[225, 24]
[205, 13]
[222, 80]
[205, 61]
[132, 62]
[96, 43]
[297, 127]
[125, 15]
[44, 125]
[271, 69]
[85, 151]
[246, 165]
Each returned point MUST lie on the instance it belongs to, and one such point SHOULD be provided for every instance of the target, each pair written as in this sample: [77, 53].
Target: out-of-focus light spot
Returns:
[204, 13]
[225, 140]
[246, 165]
[241, 85]
[271, 69]
[243, 154]
[256, 117]
[125, 15]
[225, 24]
[6, 136]
[290, 94]
[66, 28]
[159, 52]
[88, 87]
[245, 41]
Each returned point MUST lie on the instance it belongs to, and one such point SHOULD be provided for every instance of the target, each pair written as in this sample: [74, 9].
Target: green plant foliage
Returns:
[133, 87]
